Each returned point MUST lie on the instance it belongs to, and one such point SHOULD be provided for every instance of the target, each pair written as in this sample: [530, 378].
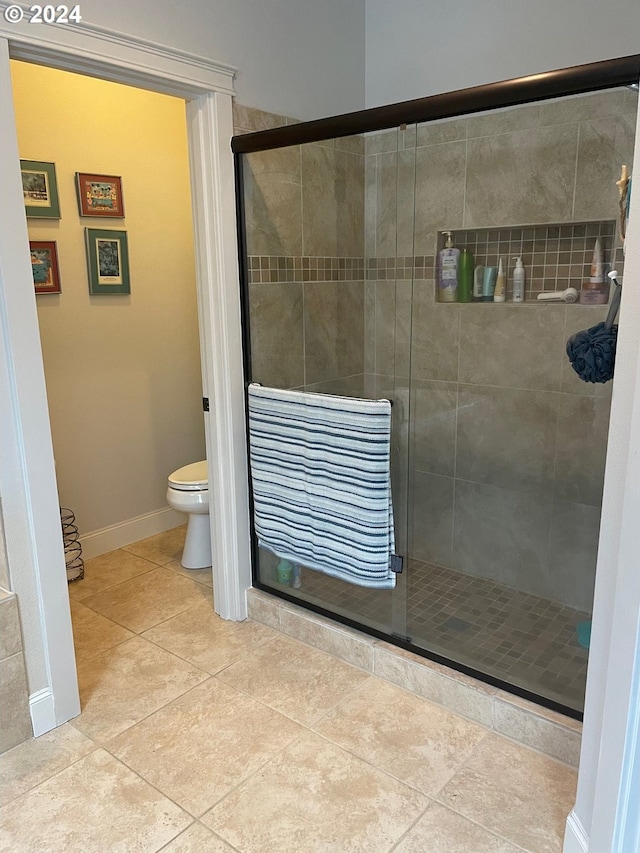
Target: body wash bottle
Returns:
[448, 271]
[518, 281]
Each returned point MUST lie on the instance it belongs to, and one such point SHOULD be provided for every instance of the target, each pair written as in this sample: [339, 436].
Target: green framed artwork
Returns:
[40, 189]
[107, 261]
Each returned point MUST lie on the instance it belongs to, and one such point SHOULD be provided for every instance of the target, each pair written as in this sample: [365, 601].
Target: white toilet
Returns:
[189, 492]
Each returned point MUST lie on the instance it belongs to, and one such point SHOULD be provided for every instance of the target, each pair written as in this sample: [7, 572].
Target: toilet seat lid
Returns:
[194, 477]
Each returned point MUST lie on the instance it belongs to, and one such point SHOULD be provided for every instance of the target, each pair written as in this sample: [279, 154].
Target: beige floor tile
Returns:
[123, 685]
[295, 679]
[94, 806]
[411, 738]
[196, 749]
[442, 831]
[92, 633]
[36, 760]
[145, 601]
[201, 637]
[515, 792]
[198, 839]
[161, 548]
[106, 571]
[204, 576]
[314, 796]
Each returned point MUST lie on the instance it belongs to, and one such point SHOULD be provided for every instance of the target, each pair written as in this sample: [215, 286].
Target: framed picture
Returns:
[100, 195]
[40, 189]
[44, 265]
[108, 261]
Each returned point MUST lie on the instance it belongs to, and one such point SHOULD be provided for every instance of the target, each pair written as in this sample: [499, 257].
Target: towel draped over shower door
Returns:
[320, 471]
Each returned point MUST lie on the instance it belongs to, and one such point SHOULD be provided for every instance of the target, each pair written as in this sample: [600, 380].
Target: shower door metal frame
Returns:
[576, 80]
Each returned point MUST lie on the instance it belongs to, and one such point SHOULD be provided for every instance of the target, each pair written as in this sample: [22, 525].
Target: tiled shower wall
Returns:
[507, 444]
[305, 239]
[552, 162]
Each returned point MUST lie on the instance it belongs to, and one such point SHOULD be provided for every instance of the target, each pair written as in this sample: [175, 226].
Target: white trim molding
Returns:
[609, 778]
[132, 530]
[627, 827]
[100, 52]
[210, 129]
[31, 513]
[575, 839]
[43, 714]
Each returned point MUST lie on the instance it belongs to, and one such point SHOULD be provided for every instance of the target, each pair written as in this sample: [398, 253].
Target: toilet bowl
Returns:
[188, 491]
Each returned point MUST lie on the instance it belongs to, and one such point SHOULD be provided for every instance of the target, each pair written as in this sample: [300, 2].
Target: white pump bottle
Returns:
[518, 281]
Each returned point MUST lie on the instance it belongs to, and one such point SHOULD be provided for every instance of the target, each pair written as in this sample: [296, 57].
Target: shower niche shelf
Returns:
[555, 256]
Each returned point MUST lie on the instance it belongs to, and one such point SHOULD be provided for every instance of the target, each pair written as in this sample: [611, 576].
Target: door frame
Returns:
[30, 508]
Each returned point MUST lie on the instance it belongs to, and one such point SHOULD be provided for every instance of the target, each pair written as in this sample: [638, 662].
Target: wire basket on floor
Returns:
[72, 547]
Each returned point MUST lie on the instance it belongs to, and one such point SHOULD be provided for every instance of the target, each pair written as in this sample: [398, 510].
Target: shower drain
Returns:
[456, 624]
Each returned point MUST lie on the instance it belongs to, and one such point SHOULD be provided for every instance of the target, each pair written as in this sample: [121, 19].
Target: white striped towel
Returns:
[321, 482]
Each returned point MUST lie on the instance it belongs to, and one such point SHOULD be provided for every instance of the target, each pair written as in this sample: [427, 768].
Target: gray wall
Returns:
[415, 48]
[297, 57]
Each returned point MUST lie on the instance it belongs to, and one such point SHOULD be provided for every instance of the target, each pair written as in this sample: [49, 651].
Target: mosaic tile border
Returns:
[283, 268]
[279, 269]
[418, 267]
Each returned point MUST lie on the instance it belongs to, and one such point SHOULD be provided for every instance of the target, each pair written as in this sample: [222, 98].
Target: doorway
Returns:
[27, 479]
[122, 369]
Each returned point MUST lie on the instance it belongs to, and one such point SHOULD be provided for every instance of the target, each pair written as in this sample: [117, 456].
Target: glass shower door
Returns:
[507, 443]
[329, 263]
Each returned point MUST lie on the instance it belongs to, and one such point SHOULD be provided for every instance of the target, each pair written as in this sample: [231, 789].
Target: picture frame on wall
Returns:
[100, 195]
[107, 261]
[44, 266]
[40, 189]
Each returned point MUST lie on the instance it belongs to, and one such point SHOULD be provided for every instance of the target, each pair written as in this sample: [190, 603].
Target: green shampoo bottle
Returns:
[465, 276]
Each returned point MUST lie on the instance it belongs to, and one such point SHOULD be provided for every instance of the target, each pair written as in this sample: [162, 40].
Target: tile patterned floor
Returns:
[204, 736]
[520, 638]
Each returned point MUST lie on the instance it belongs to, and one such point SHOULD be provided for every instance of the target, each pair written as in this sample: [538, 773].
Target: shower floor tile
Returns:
[522, 639]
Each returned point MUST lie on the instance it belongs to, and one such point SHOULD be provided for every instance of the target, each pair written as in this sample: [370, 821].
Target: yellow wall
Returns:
[123, 371]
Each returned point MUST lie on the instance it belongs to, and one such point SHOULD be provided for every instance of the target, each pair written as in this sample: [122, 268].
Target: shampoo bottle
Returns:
[499, 294]
[465, 276]
[448, 271]
[518, 281]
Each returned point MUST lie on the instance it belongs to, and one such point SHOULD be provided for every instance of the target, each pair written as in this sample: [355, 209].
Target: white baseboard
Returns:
[576, 839]
[126, 532]
[42, 710]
